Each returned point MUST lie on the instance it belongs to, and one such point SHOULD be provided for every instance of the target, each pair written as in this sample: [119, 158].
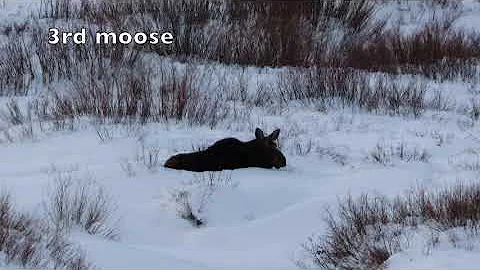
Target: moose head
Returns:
[264, 150]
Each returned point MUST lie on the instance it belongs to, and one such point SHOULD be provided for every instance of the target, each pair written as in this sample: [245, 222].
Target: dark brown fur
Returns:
[231, 153]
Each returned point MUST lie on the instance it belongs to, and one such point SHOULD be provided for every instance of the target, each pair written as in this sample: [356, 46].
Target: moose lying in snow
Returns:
[231, 153]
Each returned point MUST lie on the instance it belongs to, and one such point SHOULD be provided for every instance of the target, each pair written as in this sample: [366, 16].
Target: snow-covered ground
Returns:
[255, 218]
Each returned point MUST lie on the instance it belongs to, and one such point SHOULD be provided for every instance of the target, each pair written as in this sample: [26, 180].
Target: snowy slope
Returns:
[258, 218]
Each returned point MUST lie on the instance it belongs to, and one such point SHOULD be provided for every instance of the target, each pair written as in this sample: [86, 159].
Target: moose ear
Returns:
[274, 135]
[259, 134]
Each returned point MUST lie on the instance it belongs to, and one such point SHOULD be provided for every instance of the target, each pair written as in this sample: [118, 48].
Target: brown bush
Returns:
[363, 233]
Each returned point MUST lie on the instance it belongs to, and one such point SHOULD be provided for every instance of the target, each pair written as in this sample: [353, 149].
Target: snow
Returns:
[455, 249]
[259, 221]
[261, 217]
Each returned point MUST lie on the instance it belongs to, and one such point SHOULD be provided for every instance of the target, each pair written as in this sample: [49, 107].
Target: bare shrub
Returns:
[184, 207]
[130, 96]
[358, 236]
[383, 154]
[192, 198]
[409, 154]
[148, 156]
[335, 154]
[363, 233]
[456, 206]
[475, 109]
[18, 235]
[219, 30]
[442, 4]
[128, 168]
[380, 155]
[16, 72]
[441, 138]
[441, 102]
[330, 33]
[351, 13]
[344, 87]
[66, 255]
[77, 202]
[27, 242]
[13, 114]
[436, 51]
[213, 180]
[468, 160]
[180, 98]
[302, 148]
[21, 121]
[289, 33]
[104, 134]
[69, 61]
[57, 9]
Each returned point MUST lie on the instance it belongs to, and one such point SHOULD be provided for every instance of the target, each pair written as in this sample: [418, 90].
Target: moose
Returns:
[231, 153]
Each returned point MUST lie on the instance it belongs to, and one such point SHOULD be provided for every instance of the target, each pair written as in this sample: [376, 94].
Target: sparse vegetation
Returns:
[363, 233]
[27, 242]
[104, 134]
[335, 154]
[79, 202]
[148, 156]
[467, 160]
[185, 209]
[383, 154]
[303, 148]
[192, 198]
[475, 109]
[350, 88]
